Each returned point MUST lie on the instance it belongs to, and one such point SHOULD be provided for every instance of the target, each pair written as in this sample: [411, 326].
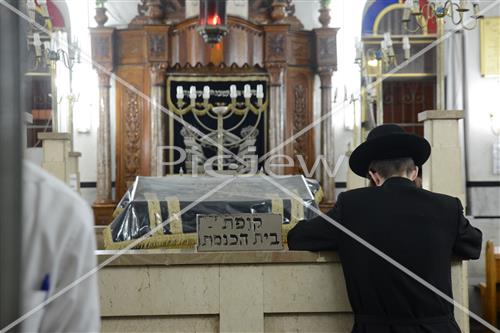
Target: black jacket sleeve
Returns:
[316, 234]
[469, 239]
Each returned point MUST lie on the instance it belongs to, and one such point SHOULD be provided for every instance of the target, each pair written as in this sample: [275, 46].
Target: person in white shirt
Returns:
[58, 248]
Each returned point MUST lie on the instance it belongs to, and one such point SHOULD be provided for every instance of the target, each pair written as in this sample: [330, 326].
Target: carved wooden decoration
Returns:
[132, 125]
[300, 118]
[299, 49]
[260, 12]
[160, 37]
[132, 136]
[175, 11]
[157, 43]
[159, 12]
[131, 47]
[299, 113]
[276, 46]
[102, 47]
[326, 47]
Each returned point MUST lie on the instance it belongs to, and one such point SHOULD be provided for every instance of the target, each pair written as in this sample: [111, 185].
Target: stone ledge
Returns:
[75, 154]
[54, 136]
[171, 257]
[440, 114]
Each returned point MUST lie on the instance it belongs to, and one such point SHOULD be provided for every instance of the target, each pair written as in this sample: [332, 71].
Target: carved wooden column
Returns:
[326, 59]
[157, 39]
[102, 55]
[276, 113]
[104, 191]
[276, 38]
[327, 135]
[157, 117]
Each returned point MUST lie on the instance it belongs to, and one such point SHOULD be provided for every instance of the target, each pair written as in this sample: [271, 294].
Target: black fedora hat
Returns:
[386, 142]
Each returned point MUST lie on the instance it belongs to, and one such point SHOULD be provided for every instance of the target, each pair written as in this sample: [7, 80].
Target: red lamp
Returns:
[212, 24]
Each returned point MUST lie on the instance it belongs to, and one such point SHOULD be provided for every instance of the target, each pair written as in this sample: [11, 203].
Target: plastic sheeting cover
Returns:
[153, 200]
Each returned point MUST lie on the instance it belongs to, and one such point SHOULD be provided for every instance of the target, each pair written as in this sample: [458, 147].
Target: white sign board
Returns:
[239, 232]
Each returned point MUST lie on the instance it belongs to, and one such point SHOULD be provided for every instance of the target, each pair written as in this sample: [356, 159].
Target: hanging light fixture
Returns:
[212, 22]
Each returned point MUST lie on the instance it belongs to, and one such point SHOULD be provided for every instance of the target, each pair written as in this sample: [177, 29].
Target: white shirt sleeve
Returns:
[58, 243]
[77, 310]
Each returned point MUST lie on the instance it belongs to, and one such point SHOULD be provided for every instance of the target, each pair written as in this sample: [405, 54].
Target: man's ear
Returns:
[375, 177]
[414, 174]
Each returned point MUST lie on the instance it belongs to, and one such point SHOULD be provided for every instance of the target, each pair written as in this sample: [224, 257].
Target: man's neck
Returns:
[395, 176]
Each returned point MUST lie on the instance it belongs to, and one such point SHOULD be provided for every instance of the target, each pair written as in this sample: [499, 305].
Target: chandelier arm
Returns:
[407, 28]
[474, 26]
[62, 55]
[448, 6]
[452, 14]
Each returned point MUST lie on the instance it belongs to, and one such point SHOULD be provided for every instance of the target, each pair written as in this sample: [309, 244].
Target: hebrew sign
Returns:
[239, 232]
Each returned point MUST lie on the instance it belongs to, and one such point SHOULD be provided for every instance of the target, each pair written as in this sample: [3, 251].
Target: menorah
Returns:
[241, 104]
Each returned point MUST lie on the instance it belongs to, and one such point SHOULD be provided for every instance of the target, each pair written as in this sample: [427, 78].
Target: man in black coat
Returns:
[419, 229]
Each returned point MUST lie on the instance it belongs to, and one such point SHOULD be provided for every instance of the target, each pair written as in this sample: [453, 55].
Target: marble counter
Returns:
[171, 257]
[185, 291]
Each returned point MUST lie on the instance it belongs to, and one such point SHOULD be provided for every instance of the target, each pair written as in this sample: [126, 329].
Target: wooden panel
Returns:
[276, 45]
[157, 43]
[490, 293]
[242, 45]
[140, 46]
[174, 49]
[300, 86]
[132, 126]
[299, 48]
[236, 45]
[326, 47]
[189, 47]
[103, 213]
[102, 46]
[404, 99]
[132, 47]
[257, 44]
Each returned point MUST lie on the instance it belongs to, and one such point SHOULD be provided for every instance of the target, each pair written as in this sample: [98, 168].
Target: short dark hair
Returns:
[393, 167]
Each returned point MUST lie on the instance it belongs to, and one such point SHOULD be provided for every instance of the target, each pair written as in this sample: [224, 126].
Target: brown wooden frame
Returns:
[292, 57]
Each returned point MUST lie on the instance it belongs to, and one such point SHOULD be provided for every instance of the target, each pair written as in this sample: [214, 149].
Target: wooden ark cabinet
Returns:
[159, 39]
